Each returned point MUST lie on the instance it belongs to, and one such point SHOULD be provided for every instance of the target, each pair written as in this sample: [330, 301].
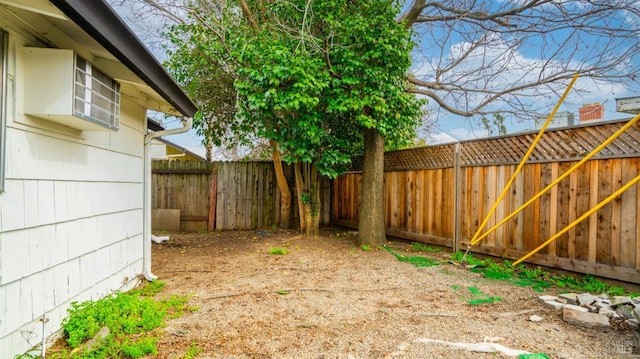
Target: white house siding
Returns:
[71, 215]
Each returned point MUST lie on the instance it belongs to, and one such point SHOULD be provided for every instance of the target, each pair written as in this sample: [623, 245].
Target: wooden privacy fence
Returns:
[440, 195]
[246, 194]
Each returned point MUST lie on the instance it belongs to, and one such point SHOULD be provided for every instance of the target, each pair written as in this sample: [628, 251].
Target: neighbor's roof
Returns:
[179, 148]
[98, 20]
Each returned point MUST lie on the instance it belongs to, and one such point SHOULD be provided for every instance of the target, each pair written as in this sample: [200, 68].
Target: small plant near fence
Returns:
[421, 247]
[417, 261]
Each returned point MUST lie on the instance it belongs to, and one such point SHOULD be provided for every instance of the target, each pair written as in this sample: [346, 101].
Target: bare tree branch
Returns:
[476, 57]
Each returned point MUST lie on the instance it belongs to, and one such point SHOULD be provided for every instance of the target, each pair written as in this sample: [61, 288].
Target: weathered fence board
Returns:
[183, 185]
[420, 186]
[246, 194]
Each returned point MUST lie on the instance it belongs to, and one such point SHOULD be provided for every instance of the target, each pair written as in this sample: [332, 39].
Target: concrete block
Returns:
[626, 312]
[621, 300]
[165, 220]
[585, 319]
[576, 308]
[571, 298]
[609, 313]
[553, 305]
[586, 299]
[547, 298]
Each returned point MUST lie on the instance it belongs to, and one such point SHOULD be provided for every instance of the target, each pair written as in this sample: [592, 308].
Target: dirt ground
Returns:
[327, 298]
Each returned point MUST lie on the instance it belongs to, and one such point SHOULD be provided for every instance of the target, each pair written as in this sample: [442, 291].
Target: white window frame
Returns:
[90, 91]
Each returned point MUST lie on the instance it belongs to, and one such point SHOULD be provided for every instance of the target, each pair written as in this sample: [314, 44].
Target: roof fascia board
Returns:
[100, 21]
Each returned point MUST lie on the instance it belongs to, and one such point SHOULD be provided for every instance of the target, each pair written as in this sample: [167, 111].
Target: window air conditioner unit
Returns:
[62, 87]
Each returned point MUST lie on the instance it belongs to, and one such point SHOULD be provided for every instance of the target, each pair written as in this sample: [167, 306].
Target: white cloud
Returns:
[454, 135]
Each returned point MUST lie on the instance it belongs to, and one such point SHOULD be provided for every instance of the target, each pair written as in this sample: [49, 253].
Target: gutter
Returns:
[146, 207]
[99, 20]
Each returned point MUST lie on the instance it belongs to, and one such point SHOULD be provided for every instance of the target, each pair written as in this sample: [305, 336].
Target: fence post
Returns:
[456, 199]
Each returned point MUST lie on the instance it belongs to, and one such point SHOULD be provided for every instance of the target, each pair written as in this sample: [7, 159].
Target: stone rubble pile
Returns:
[595, 311]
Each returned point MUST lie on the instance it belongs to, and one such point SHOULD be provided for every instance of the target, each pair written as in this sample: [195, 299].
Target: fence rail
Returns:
[440, 195]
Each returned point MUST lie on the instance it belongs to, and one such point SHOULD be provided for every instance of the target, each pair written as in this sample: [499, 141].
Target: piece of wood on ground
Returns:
[514, 314]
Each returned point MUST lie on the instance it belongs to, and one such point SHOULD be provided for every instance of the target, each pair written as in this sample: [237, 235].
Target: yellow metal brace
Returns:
[474, 239]
[582, 218]
[563, 176]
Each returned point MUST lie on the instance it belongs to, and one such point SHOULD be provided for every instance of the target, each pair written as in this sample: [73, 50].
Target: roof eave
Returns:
[100, 21]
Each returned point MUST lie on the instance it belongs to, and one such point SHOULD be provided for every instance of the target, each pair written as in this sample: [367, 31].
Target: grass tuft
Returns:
[278, 251]
[421, 247]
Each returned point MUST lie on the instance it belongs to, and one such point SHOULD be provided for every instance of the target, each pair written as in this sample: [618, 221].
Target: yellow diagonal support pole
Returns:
[524, 159]
[582, 218]
[563, 176]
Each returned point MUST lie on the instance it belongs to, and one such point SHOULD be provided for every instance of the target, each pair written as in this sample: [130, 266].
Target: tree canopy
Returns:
[316, 73]
[476, 58]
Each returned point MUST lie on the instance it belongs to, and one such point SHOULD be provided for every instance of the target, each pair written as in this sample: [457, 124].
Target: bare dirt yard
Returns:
[327, 298]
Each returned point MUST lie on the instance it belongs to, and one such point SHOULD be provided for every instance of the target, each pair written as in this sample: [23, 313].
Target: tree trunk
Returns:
[311, 208]
[299, 191]
[307, 185]
[371, 228]
[285, 192]
[209, 148]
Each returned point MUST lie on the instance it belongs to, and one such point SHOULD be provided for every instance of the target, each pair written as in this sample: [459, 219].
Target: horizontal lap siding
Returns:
[71, 220]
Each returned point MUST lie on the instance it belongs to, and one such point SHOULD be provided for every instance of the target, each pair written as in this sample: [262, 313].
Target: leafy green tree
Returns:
[322, 76]
[199, 63]
[201, 60]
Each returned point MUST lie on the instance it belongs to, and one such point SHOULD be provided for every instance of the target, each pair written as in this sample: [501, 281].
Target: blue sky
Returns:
[445, 127]
[450, 128]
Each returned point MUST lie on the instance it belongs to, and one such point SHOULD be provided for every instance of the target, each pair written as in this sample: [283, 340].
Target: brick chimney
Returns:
[591, 112]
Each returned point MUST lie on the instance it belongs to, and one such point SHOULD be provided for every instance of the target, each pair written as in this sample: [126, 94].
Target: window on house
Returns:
[97, 96]
[4, 46]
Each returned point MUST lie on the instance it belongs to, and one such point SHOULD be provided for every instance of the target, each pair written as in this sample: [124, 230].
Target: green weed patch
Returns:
[131, 318]
[417, 261]
[478, 298]
[536, 278]
[421, 247]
